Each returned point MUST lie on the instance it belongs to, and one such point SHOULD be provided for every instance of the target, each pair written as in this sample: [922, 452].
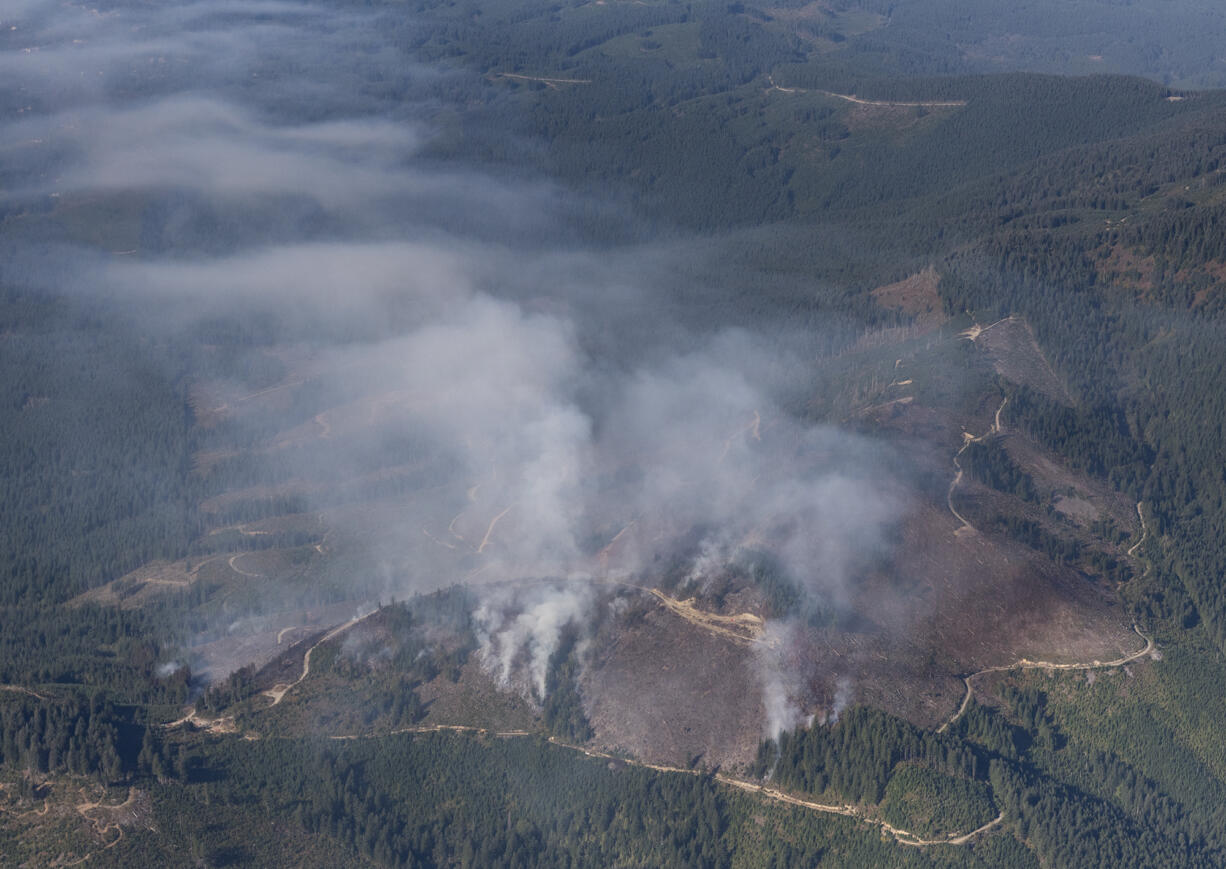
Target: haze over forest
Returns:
[655, 433]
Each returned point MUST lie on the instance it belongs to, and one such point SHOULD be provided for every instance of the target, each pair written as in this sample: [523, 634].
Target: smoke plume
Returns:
[542, 393]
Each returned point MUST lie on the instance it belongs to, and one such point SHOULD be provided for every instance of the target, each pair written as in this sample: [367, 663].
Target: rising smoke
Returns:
[548, 387]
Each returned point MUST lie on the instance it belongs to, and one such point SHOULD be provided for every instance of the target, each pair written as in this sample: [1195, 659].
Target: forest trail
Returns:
[603, 555]
[277, 692]
[101, 827]
[443, 543]
[1027, 664]
[895, 104]
[548, 82]
[451, 526]
[1132, 550]
[881, 104]
[966, 837]
[84, 807]
[753, 429]
[222, 408]
[485, 541]
[239, 570]
[967, 440]
[195, 571]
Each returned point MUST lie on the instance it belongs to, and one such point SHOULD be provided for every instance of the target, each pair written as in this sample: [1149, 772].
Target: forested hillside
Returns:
[407, 387]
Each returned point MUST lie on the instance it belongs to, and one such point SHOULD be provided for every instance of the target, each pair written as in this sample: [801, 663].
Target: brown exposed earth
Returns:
[915, 296]
[667, 691]
[678, 678]
[670, 690]
[1015, 354]
[68, 820]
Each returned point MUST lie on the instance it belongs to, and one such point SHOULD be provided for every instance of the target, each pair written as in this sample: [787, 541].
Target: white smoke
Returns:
[782, 684]
[515, 625]
[843, 695]
[547, 413]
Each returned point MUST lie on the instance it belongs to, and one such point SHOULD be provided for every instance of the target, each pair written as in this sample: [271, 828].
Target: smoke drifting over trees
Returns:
[542, 380]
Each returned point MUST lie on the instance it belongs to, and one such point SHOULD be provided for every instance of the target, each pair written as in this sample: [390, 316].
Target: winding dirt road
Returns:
[278, 692]
[848, 810]
[239, 570]
[1132, 550]
[227, 724]
[742, 628]
[967, 440]
[1026, 664]
[101, 826]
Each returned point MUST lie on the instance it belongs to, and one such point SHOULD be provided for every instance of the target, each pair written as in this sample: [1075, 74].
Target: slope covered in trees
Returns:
[819, 151]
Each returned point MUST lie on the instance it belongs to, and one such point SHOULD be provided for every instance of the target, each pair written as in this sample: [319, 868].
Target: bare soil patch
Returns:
[915, 295]
[1015, 354]
[952, 604]
[668, 691]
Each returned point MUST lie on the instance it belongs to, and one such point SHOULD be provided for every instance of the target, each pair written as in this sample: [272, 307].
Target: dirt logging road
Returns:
[1132, 550]
[239, 570]
[277, 692]
[967, 440]
[847, 810]
[1026, 664]
[741, 628]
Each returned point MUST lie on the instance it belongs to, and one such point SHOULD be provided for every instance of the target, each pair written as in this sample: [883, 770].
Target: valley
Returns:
[615, 433]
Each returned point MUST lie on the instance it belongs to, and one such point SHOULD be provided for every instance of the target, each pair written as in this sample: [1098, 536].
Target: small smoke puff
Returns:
[713, 556]
[365, 649]
[843, 693]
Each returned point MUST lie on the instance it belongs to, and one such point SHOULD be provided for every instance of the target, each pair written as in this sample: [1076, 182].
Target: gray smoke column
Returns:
[783, 687]
[527, 624]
